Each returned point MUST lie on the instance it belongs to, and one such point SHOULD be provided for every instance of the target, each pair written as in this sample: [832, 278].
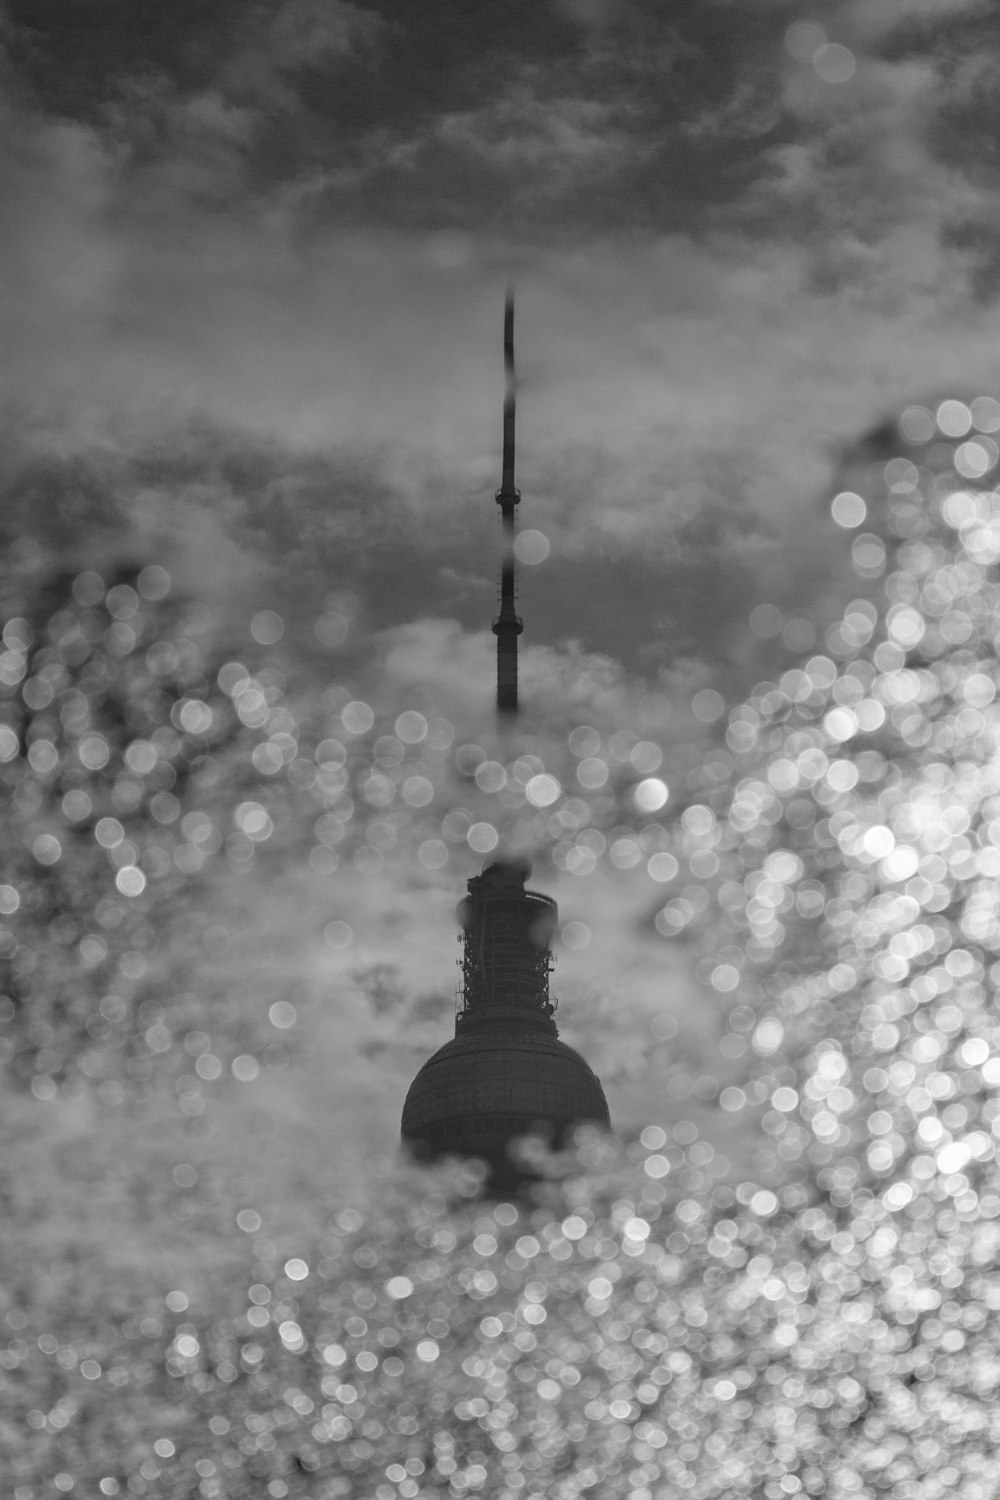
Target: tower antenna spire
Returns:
[507, 626]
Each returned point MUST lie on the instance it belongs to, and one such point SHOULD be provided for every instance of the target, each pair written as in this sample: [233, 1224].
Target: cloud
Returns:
[280, 46]
[445, 665]
[316, 406]
[865, 164]
[876, 19]
[588, 13]
[439, 666]
[560, 136]
[308, 33]
[678, 404]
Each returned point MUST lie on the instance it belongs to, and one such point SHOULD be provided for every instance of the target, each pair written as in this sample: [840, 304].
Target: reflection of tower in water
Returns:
[505, 1074]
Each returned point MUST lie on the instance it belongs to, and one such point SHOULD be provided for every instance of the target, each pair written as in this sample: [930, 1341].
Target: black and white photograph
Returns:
[500, 750]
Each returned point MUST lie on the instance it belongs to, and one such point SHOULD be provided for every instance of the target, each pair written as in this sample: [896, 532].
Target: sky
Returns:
[254, 267]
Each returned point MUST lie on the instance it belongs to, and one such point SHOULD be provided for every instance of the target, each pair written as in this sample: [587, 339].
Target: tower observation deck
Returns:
[505, 1073]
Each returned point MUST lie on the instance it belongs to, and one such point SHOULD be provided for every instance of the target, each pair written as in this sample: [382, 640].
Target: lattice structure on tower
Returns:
[505, 1073]
[506, 960]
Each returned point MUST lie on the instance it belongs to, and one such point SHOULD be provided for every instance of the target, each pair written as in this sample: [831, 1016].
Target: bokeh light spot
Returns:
[469, 757]
[88, 588]
[490, 776]
[109, 832]
[848, 509]
[267, 627]
[584, 741]
[357, 717]
[954, 418]
[542, 790]
[482, 837]
[834, 63]
[917, 424]
[651, 794]
[131, 881]
[432, 854]
[153, 582]
[93, 752]
[47, 849]
[646, 757]
[338, 935]
[418, 791]
[708, 705]
[592, 773]
[411, 727]
[973, 459]
[531, 547]
[331, 629]
[725, 977]
[868, 554]
[803, 39]
[662, 867]
[985, 411]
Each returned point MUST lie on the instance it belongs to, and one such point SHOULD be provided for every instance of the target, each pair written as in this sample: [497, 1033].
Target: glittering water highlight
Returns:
[657, 1324]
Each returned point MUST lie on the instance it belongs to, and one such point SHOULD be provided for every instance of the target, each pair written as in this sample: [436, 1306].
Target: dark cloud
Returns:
[544, 118]
[450, 116]
[75, 61]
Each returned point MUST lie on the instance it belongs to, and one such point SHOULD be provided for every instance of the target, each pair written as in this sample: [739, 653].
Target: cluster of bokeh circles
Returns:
[647, 1325]
[128, 772]
[148, 764]
[851, 854]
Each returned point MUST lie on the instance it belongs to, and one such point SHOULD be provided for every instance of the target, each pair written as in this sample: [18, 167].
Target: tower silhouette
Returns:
[508, 625]
[505, 1073]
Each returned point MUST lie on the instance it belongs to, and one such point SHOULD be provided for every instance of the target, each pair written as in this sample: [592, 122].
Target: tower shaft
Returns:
[507, 626]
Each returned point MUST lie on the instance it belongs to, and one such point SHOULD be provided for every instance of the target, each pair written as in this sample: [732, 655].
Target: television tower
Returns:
[505, 1073]
[508, 625]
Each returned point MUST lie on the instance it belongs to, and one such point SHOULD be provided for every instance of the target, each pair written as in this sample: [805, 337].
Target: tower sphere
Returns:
[505, 1073]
